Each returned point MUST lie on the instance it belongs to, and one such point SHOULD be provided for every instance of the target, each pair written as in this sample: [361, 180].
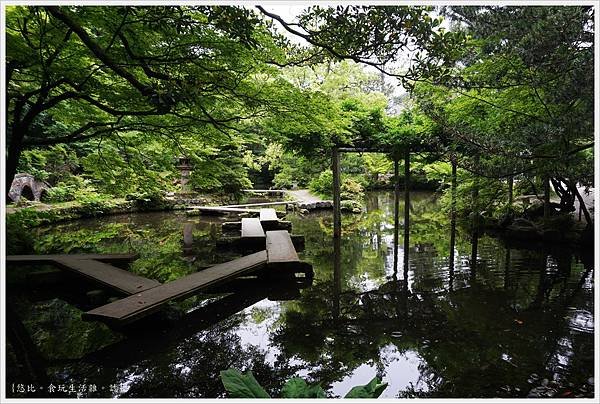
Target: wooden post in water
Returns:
[337, 277]
[337, 216]
[406, 208]
[396, 212]
[452, 222]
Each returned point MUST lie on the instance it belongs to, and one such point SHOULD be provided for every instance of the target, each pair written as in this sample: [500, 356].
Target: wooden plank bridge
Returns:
[277, 258]
[142, 304]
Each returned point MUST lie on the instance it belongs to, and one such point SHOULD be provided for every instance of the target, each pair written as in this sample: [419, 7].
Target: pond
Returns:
[431, 321]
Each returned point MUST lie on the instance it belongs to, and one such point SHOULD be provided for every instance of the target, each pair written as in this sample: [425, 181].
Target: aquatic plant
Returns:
[244, 385]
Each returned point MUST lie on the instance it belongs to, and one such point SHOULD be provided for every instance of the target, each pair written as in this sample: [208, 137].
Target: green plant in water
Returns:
[244, 385]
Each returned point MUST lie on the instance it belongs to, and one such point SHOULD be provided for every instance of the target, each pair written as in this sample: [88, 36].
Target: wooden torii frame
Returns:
[335, 168]
[337, 214]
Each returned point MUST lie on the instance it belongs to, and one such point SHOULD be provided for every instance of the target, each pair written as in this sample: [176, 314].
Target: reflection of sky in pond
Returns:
[582, 321]
[453, 332]
[258, 333]
[401, 369]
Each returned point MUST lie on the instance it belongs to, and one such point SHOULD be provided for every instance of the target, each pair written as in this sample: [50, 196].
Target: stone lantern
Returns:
[185, 167]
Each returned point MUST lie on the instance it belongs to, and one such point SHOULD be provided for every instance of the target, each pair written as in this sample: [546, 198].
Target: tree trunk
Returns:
[510, 193]
[12, 159]
[453, 193]
[396, 212]
[546, 197]
[586, 213]
[475, 195]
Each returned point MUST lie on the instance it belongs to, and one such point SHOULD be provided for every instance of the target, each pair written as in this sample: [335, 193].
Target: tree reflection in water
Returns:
[521, 324]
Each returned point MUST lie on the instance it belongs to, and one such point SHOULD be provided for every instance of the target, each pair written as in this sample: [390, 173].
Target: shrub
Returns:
[60, 193]
[323, 184]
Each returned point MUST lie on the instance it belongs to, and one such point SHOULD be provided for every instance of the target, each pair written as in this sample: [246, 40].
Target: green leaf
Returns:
[371, 390]
[298, 388]
[240, 385]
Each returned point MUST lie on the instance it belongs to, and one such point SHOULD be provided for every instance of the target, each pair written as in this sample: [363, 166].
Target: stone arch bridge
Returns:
[25, 185]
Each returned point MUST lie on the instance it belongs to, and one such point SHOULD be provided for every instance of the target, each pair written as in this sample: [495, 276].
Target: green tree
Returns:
[519, 106]
[81, 73]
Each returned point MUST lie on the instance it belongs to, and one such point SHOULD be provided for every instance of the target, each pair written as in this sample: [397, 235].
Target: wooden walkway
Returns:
[115, 278]
[268, 215]
[265, 191]
[278, 258]
[142, 304]
[280, 249]
[40, 259]
[233, 226]
[252, 230]
[222, 209]
[93, 267]
[250, 205]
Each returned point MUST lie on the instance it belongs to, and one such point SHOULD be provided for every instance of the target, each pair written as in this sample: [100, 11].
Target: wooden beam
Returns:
[266, 191]
[362, 150]
[280, 249]
[222, 209]
[237, 242]
[142, 304]
[280, 225]
[115, 278]
[337, 215]
[406, 209]
[249, 205]
[45, 259]
[268, 215]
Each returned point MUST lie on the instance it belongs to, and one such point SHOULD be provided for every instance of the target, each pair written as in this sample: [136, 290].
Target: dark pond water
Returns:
[501, 321]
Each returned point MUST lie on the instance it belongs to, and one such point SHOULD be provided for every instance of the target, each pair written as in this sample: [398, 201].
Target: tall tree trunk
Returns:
[453, 192]
[15, 147]
[586, 213]
[546, 197]
[396, 212]
[510, 194]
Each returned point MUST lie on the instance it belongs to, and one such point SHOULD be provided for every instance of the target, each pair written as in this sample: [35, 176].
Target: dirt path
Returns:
[303, 195]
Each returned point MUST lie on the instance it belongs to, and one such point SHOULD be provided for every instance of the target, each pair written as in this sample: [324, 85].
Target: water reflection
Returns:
[520, 325]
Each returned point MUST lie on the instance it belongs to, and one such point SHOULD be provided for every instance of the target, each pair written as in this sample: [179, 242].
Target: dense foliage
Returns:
[102, 101]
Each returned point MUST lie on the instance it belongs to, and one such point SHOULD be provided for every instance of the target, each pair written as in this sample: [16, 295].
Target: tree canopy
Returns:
[503, 91]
